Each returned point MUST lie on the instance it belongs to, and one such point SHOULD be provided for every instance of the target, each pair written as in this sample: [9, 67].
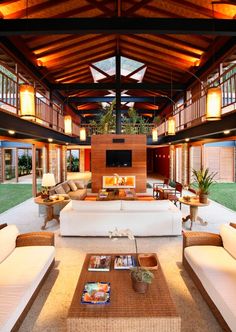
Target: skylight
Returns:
[108, 66]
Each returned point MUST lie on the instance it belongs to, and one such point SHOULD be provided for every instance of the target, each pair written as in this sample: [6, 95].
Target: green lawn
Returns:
[13, 194]
[225, 194]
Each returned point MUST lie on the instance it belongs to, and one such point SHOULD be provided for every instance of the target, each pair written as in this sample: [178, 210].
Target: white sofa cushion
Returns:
[216, 269]
[8, 237]
[20, 275]
[228, 235]
[161, 205]
[93, 206]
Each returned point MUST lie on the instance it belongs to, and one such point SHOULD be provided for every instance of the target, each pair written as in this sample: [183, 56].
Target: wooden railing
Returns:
[51, 115]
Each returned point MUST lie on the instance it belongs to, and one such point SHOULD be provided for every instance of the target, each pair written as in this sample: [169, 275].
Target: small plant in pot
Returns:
[141, 277]
[204, 180]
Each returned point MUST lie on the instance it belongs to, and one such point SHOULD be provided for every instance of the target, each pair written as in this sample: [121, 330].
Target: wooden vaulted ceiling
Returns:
[66, 58]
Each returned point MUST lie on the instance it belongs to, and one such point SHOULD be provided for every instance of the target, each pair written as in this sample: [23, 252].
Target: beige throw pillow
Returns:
[66, 187]
[79, 184]
[228, 235]
[8, 237]
[72, 185]
[60, 190]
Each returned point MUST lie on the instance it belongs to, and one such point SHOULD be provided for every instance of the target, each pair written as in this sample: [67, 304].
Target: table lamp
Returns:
[48, 181]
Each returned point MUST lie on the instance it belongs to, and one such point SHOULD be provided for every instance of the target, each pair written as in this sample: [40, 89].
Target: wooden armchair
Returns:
[158, 188]
[176, 194]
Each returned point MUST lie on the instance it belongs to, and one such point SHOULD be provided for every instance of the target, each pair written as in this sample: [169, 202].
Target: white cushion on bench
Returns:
[216, 269]
[8, 237]
[20, 275]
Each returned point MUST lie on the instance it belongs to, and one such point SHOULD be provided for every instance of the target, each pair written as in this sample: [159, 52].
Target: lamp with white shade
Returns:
[48, 181]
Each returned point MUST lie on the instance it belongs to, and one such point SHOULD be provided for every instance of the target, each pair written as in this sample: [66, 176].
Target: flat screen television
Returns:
[118, 158]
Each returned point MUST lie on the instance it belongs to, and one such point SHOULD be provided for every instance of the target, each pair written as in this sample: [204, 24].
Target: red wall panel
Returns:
[87, 159]
[162, 161]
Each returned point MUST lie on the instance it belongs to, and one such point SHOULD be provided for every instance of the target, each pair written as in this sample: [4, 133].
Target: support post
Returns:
[118, 90]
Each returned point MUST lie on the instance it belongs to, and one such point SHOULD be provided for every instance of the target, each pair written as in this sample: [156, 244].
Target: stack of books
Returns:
[124, 262]
[99, 263]
[103, 194]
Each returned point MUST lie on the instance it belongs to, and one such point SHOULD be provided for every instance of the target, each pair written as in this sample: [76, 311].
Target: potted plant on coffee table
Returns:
[141, 277]
[204, 180]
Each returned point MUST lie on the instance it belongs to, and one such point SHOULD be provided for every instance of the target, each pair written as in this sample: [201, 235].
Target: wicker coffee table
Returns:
[127, 311]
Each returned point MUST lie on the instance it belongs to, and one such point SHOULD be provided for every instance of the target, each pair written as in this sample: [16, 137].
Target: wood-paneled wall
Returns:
[101, 143]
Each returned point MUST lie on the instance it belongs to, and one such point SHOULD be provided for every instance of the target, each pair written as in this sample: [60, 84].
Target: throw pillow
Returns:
[228, 235]
[60, 190]
[72, 185]
[66, 187]
[8, 237]
[79, 184]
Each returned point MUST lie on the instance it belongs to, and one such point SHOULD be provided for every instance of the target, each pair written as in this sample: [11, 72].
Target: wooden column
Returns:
[118, 90]
[34, 177]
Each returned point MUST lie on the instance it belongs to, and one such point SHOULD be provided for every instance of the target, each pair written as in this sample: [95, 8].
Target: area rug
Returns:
[49, 311]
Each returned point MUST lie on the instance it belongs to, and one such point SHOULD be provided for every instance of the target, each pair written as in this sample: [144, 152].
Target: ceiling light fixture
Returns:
[27, 102]
[50, 140]
[11, 132]
[68, 124]
[82, 134]
[154, 134]
[186, 139]
[226, 132]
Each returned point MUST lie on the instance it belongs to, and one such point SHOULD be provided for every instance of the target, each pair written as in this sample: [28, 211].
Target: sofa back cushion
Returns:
[91, 206]
[161, 205]
[228, 235]
[8, 237]
[66, 187]
[79, 183]
[72, 185]
[60, 190]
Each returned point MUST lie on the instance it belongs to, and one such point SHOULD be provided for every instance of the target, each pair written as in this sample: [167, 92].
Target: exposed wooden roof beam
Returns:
[118, 25]
[111, 86]
[81, 100]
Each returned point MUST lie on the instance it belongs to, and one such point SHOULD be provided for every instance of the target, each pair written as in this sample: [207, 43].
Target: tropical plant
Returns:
[204, 179]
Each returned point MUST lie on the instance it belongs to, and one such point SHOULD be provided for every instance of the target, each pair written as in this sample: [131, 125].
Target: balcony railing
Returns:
[50, 114]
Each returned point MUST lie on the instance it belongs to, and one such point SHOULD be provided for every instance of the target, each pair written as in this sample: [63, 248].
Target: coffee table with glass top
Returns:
[127, 311]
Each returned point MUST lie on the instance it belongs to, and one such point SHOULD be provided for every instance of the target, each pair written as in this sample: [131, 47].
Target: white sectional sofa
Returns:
[97, 218]
[210, 259]
[24, 262]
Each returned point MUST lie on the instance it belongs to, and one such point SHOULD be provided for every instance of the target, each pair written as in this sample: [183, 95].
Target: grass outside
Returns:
[13, 194]
[225, 194]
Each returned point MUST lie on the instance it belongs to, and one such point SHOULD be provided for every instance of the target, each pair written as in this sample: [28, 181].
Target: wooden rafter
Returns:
[101, 7]
[135, 7]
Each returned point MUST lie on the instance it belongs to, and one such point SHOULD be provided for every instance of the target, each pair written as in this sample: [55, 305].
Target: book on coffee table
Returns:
[99, 263]
[124, 262]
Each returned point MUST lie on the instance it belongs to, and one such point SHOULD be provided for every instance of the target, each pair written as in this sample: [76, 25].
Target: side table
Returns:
[194, 204]
[49, 208]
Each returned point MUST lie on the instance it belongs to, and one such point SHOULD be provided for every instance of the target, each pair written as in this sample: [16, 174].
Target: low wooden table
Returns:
[127, 311]
[49, 209]
[194, 204]
[117, 194]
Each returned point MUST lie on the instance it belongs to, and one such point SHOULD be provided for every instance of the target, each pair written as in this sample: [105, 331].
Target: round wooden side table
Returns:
[194, 204]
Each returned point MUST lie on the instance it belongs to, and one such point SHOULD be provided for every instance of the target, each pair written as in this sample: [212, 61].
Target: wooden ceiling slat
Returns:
[79, 74]
[101, 7]
[195, 8]
[74, 56]
[166, 51]
[32, 9]
[73, 69]
[62, 44]
[100, 55]
[172, 48]
[77, 50]
[168, 59]
[136, 7]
